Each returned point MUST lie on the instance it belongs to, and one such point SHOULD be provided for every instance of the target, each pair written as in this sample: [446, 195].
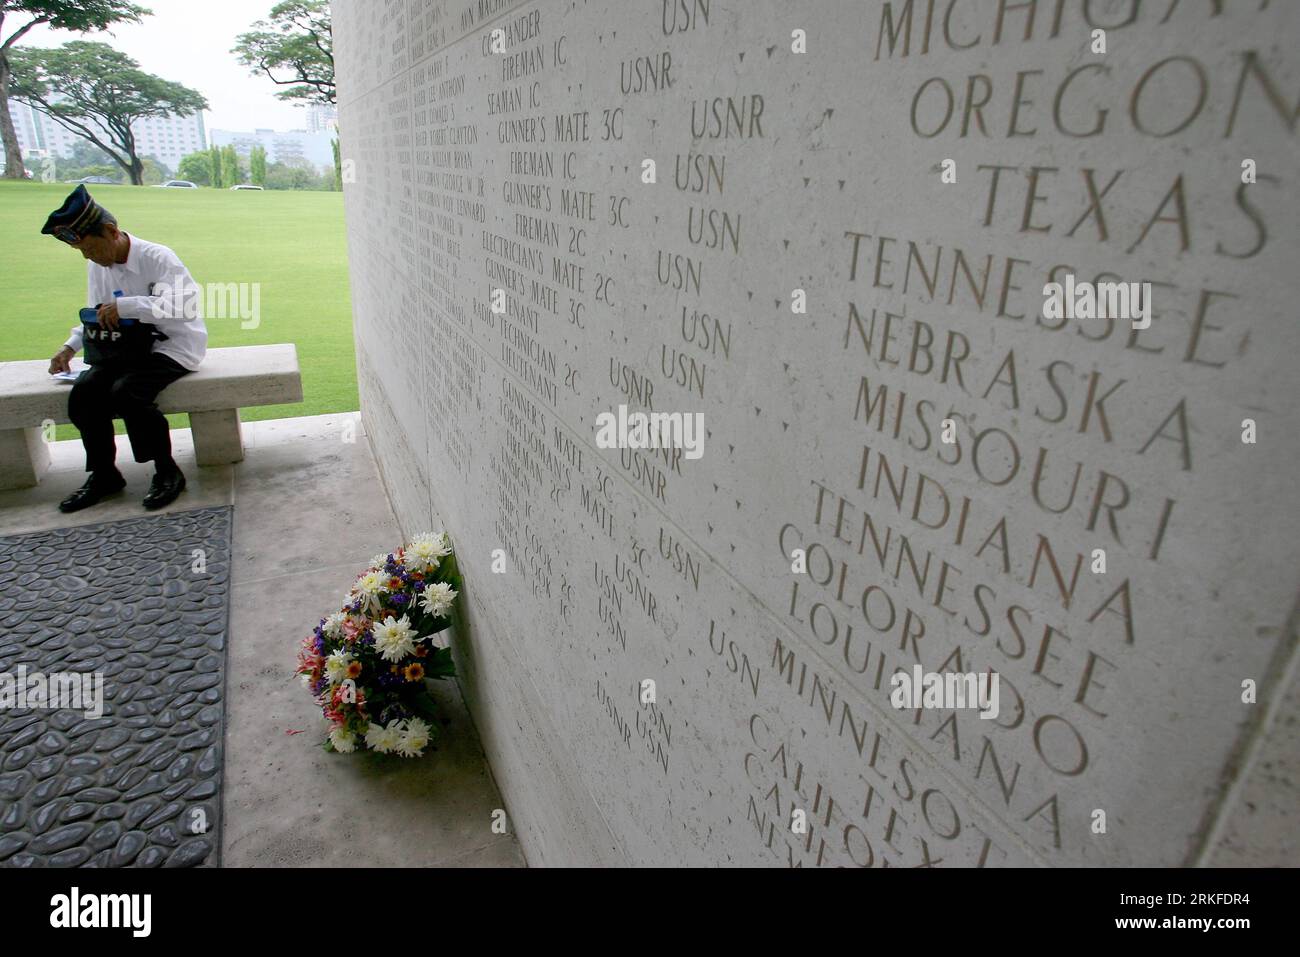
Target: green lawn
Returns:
[291, 242]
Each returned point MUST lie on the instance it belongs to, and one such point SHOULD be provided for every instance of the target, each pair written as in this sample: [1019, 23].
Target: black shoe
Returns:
[96, 488]
[164, 489]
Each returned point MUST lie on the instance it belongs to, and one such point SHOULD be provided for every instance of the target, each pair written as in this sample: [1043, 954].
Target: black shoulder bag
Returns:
[130, 343]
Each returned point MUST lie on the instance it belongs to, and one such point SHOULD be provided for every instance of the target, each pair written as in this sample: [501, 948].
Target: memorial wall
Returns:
[827, 228]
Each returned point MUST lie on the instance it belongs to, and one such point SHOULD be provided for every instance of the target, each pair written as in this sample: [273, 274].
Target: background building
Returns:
[169, 138]
[166, 138]
[293, 147]
[321, 118]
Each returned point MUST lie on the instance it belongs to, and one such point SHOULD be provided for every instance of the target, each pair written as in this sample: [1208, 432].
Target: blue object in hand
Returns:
[90, 316]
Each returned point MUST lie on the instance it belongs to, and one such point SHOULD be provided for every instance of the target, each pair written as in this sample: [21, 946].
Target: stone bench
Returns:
[227, 380]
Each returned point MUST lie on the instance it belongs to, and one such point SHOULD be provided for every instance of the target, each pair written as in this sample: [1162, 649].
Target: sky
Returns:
[189, 42]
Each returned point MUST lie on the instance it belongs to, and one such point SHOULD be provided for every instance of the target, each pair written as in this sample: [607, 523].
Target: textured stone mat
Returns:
[139, 786]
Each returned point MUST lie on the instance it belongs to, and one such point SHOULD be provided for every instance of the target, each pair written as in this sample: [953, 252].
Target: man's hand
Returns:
[61, 360]
[108, 316]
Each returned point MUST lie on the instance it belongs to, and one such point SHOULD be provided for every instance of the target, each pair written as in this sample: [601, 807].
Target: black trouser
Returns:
[126, 391]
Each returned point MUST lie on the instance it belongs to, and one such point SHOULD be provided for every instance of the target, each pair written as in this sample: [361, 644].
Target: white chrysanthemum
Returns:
[378, 562]
[368, 587]
[437, 599]
[414, 738]
[333, 627]
[336, 665]
[383, 739]
[423, 554]
[394, 639]
[370, 584]
[343, 740]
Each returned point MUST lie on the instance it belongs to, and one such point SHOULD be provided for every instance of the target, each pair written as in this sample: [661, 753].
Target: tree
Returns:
[231, 173]
[196, 168]
[109, 171]
[97, 93]
[257, 165]
[292, 176]
[297, 45]
[154, 171]
[214, 166]
[86, 159]
[87, 154]
[338, 165]
[79, 16]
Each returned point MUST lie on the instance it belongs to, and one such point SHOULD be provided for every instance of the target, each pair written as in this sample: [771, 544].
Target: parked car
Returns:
[245, 186]
[96, 180]
[179, 184]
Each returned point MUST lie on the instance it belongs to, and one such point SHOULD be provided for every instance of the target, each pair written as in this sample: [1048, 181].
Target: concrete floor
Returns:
[309, 513]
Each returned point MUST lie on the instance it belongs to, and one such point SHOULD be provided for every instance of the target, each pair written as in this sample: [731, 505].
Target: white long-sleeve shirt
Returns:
[157, 289]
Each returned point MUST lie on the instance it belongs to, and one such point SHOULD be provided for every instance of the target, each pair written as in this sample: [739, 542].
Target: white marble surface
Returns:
[471, 170]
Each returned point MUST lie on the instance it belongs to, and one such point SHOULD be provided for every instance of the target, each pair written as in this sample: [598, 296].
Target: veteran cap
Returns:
[77, 217]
